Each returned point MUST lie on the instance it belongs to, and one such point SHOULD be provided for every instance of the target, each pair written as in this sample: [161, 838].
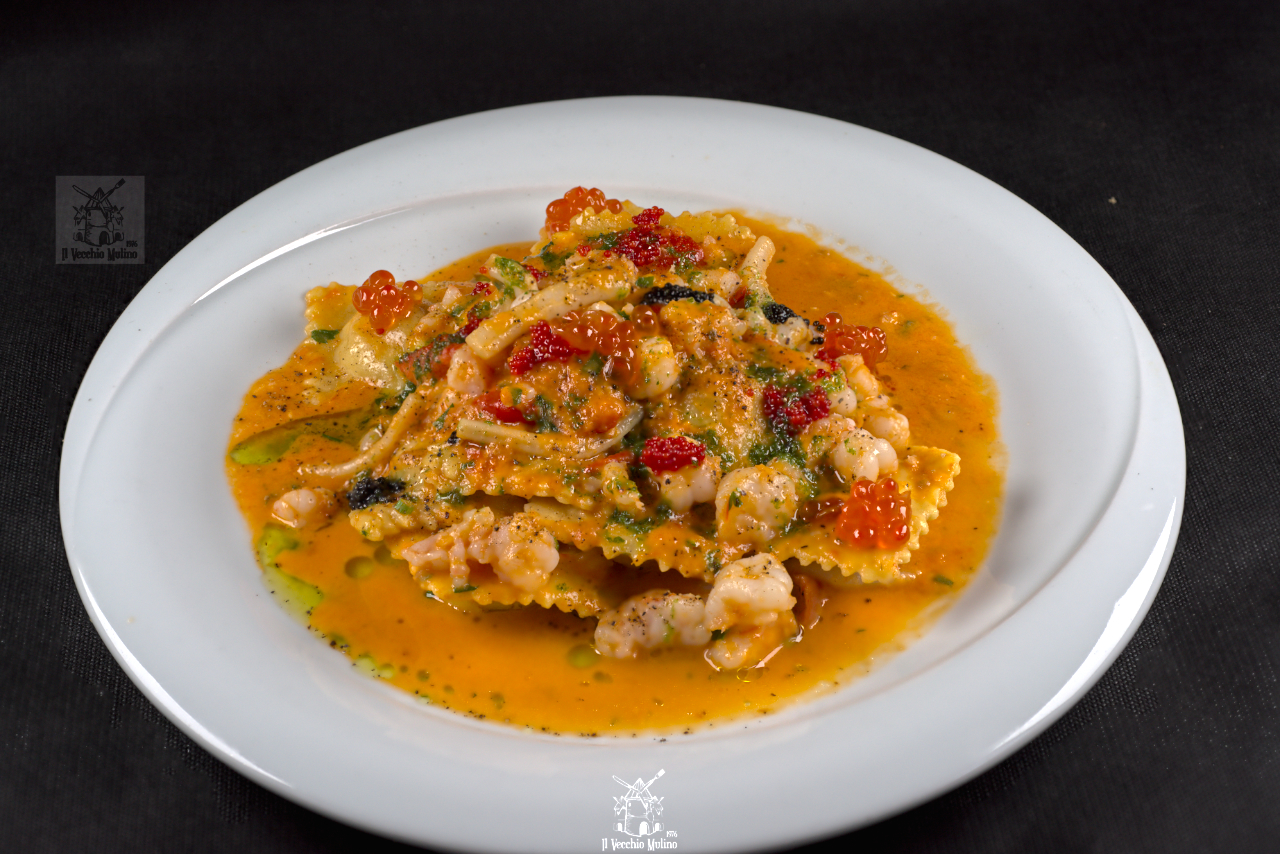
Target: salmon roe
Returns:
[602, 332]
[841, 340]
[382, 302]
[588, 331]
[575, 202]
[875, 516]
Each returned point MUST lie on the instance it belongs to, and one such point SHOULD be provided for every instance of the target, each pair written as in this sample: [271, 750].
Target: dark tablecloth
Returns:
[1150, 132]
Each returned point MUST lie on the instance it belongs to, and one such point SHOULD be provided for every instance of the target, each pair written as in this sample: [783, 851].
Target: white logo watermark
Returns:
[636, 814]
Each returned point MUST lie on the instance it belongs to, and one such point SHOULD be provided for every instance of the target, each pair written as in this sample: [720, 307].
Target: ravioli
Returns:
[626, 396]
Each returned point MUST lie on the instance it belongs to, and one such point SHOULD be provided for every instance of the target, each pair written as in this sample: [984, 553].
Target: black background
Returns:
[1170, 109]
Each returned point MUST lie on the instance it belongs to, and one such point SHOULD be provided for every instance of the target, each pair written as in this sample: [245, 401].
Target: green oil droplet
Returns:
[384, 556]
[359, 567]
[583, 655]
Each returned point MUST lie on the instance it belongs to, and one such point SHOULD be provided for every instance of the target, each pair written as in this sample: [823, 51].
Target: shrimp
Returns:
[467, 374]
[750, 608]
[794, 332]
[749, 646]
[754, 504]
[652, 619]
[862, 381]
[300, 507]
[519, 549]
[751, 591]
[659, 368]
[852, 451]
[522, 551]
[873, 409]
[890, 426]
[844, 400]
[690, 485]
[449, 549]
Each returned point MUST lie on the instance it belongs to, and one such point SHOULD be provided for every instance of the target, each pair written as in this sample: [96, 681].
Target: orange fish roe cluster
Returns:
[602, 332]
[841, 340]
[875, 516]
[580, 333]
[382, 302]
[575, 202]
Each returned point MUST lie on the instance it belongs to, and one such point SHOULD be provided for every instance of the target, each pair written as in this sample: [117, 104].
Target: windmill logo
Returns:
[100, 220]
[638, 809]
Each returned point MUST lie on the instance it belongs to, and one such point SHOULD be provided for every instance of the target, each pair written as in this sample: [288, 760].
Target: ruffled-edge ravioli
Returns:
[669, 545]
[929, 474]
[577, 585]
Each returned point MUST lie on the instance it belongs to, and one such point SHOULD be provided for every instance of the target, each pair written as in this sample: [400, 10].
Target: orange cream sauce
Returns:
[534, 668]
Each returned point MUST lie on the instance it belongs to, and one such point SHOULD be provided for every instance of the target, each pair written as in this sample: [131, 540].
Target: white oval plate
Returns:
[163, 562]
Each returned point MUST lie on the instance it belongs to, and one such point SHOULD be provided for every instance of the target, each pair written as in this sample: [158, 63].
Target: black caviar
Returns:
[666, 293]
[776, 312]
[373, 490]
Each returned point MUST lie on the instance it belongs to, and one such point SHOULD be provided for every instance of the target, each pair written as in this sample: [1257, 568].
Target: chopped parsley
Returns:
[638, 527]
[553, 260]
[324, 336]
[711, 439]
[394, 403]
[512, 273]
[545, 422]
[714, 561]
[452, 496]
[767, 373]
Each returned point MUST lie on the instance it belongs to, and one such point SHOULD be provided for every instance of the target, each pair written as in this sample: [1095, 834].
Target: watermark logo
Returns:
[636, 814]
[100, 220]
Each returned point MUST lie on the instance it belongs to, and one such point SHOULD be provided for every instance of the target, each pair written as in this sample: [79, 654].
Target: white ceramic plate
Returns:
[163, 562]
